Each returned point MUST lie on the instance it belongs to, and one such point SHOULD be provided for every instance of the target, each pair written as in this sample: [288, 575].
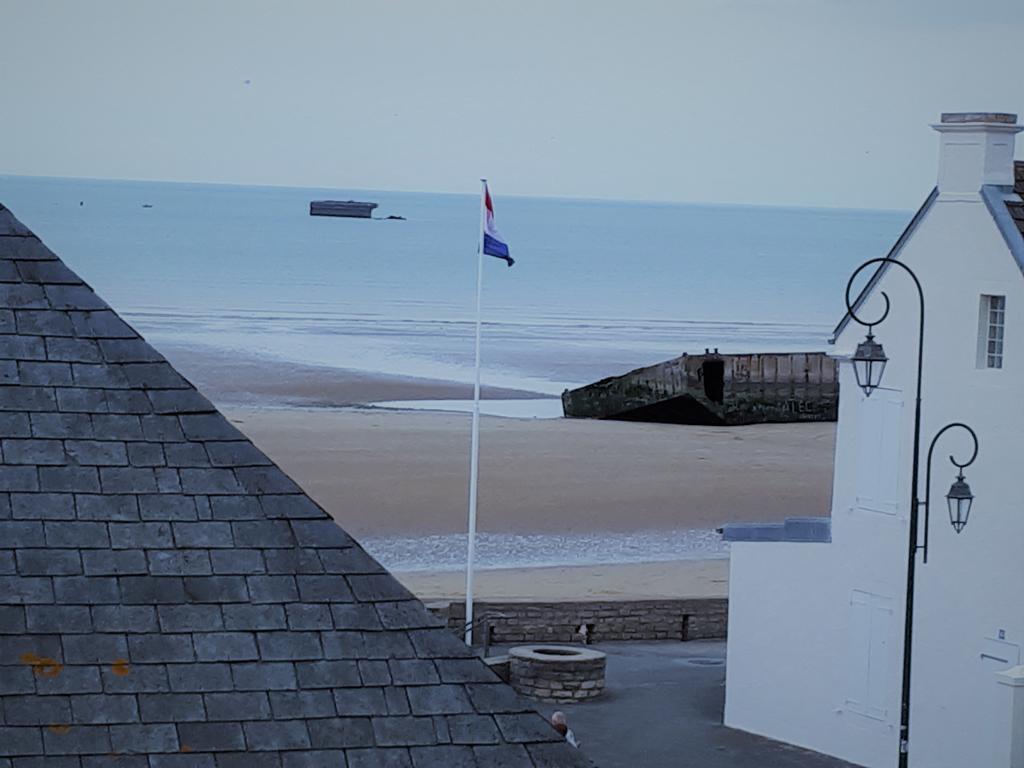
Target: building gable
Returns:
[894, 253]
[975, 157]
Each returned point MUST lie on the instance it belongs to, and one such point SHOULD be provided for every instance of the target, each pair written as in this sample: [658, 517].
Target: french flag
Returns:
[494, 243]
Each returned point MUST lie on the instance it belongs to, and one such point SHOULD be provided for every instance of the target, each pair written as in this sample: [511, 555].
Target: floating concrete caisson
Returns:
[349, 209]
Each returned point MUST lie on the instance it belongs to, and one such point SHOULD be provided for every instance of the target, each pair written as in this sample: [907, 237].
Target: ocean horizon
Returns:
[599, 286]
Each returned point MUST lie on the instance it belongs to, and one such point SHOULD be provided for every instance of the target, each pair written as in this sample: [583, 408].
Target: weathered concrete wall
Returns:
[754, 388]
[695, 619]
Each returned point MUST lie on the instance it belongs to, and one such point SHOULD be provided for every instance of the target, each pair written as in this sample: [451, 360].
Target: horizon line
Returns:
[646, 201]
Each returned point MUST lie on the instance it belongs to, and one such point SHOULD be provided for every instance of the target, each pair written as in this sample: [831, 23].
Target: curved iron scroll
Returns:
[928, 472]
[885, 296]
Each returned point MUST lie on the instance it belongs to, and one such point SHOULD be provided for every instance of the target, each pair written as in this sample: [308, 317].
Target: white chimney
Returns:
[976, 148]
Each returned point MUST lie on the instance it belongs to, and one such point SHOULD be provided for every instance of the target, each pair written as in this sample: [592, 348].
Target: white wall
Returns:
[970, 589]
[791, 637]
[795, 672]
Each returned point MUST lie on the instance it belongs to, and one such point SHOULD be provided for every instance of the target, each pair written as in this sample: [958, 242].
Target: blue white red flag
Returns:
[494, 243]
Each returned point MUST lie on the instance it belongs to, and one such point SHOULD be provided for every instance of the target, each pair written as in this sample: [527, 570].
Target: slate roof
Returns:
[170, 598]
[1016, 209]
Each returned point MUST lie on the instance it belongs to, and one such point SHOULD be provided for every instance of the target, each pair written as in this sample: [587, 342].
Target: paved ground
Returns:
[663, 708]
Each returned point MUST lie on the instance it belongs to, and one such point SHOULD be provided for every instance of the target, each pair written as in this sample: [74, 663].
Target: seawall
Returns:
[559, 622]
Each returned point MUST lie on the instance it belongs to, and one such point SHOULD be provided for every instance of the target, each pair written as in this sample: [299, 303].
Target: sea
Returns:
[599, 286]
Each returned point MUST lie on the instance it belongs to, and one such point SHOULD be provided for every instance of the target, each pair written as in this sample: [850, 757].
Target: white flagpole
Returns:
[474, 455]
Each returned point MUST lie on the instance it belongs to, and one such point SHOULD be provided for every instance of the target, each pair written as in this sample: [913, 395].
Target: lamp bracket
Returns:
[928, 472]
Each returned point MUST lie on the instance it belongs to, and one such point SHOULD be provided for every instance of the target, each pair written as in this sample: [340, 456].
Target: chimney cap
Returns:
[979, 117]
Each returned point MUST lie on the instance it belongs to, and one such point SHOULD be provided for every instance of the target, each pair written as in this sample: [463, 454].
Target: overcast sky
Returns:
[788, 102]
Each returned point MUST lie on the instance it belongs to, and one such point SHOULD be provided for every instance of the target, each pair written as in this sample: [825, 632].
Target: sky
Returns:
[771, 102]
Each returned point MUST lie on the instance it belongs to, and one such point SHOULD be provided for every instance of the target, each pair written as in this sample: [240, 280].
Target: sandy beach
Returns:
[402, 475]
[387, 473]
[622, 581]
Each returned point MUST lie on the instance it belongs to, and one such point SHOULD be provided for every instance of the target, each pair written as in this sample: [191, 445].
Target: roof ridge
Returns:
[882, 268]
[166, 588]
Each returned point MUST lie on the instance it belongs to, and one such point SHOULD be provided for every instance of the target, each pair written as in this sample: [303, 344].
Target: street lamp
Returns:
[959, 500]
[868, 364]
[869, 361]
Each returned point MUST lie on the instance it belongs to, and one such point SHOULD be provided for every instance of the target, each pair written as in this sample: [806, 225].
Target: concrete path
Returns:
[662, 708]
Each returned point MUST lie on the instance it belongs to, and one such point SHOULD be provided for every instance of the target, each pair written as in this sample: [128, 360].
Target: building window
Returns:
[991, 325]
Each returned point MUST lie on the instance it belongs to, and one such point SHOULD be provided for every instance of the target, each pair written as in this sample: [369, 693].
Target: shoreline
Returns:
[505, 551]
[234, 380]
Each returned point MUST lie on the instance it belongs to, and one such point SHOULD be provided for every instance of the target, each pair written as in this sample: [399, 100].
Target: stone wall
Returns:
[693, 619]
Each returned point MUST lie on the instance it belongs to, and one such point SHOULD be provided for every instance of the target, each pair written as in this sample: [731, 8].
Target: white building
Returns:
[816, 621]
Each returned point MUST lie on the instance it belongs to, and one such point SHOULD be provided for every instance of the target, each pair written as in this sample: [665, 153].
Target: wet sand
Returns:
[230, 379]
[393, 473]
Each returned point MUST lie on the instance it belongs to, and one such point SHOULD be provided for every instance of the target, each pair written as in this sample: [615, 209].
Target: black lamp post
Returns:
[869, 361]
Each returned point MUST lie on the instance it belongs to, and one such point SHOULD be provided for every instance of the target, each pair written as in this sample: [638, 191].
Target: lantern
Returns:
[868, 364]
[959, 500]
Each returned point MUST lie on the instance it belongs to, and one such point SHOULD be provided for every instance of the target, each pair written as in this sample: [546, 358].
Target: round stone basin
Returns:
[557, 673]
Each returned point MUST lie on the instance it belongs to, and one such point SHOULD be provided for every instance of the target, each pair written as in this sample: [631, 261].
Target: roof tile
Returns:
[341, 732]
[24, 248]
[253, 705]
[122, 677]
[77, 740]
[144, 739]
[288, 705]
[443, 756]
[320, 758]
[503, 756]
[170, 708]
[378, 758]
[58, 619]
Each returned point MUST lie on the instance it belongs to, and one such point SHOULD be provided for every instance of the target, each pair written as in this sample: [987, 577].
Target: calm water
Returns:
[598, 287]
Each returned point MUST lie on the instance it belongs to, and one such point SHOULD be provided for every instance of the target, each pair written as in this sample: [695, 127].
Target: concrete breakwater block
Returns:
[557, 673]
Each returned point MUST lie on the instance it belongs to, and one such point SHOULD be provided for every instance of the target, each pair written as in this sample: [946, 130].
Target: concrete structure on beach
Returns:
[816, 625]
[169, 597]
[715, 390]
